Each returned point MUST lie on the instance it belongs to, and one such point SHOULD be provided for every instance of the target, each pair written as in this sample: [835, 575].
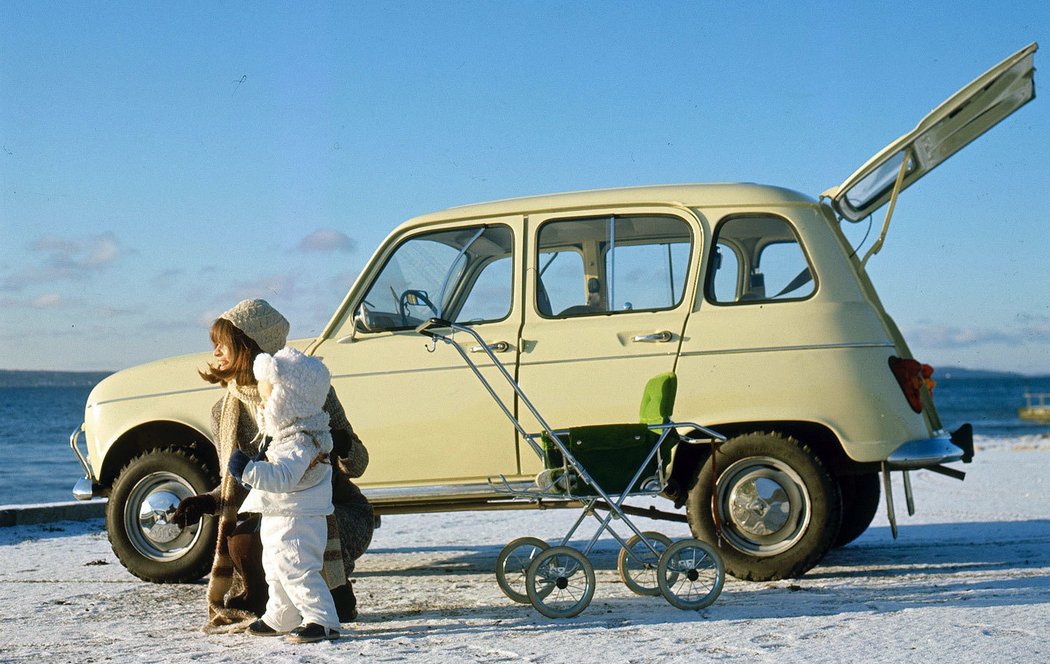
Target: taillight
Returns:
[912, 375]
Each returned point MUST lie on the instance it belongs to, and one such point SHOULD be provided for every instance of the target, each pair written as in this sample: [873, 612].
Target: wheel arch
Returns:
[820, 439]
[152, 436]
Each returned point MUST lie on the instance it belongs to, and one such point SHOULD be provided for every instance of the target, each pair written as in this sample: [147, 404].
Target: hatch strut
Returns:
[889, 212]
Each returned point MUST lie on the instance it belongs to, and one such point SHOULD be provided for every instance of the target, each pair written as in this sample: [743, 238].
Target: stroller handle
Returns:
[426, 327]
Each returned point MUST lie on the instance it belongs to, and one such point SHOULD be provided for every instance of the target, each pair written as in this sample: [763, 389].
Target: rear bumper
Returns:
[927, 452]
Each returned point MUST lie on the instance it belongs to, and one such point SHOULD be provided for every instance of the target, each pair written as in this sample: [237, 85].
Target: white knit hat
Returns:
[261, 322]
[300, 386]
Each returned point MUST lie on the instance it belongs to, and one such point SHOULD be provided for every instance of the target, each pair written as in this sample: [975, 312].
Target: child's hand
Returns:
[238, 460]
[261, 454]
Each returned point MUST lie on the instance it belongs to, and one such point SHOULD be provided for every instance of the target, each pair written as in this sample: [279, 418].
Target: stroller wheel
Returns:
[512, 565]
[560, 582]
[637, 564]
[690, 574]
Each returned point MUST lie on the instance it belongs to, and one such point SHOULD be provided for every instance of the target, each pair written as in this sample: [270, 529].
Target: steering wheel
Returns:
[413, 298]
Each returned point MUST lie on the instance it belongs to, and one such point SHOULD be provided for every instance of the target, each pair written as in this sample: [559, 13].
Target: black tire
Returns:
[860, 503]
[144, 497]
[757, 472]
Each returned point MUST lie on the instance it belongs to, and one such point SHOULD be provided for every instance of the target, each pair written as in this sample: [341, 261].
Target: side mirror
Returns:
[363, 319]
[361, 322]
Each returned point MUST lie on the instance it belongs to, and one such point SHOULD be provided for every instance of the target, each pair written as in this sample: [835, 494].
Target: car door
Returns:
[606, 303]
[423, 415]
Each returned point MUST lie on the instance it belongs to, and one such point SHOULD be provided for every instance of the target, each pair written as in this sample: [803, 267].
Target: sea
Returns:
[38, 466]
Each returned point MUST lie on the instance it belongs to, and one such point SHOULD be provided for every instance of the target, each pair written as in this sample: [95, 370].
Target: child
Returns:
[290, 484]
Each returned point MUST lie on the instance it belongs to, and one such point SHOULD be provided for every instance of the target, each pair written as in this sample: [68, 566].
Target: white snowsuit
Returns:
[292, 489]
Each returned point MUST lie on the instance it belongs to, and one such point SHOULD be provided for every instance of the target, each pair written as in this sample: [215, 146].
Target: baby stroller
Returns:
[586, 467]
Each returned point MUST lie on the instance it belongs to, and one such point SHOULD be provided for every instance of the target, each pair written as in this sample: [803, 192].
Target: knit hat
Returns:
[261, 322]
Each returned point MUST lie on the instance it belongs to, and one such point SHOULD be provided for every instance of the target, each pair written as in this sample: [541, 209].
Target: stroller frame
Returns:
[559, 580]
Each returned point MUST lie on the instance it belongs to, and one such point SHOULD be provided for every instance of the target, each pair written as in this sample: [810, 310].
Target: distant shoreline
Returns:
[11, 378]
[950, 373]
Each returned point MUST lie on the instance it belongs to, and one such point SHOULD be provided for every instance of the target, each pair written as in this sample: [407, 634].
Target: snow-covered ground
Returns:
[968, 580]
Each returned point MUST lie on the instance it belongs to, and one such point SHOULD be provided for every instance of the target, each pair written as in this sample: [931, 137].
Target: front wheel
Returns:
[690, 575]
[560, 582]
[777, 506]
[138, 517]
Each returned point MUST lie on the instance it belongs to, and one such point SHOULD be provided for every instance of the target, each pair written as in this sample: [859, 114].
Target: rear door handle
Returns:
[656, 337]
[498, 347]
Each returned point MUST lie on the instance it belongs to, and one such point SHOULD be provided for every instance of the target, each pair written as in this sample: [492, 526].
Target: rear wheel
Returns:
[778, 507]
[860, 503]
[637, 562]
[512, 565]
[139, 511]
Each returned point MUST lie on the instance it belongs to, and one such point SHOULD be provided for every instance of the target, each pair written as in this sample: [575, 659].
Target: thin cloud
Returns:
[951, 337]
[326, 240]
[273, 288]
[47, 301]
[102, 251]
[82, 254]
[53, 244]
[53, 301]
[341, 282]
[166, 278]
[65, 259]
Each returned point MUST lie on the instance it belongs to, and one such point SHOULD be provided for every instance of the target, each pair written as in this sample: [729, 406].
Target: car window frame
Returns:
[603, 215]
[714, 245]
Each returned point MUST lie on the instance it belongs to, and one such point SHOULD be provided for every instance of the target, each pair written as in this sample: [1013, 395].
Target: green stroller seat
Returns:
[612, 453]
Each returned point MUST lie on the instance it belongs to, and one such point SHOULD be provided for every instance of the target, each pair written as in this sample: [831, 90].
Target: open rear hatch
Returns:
[950, 127]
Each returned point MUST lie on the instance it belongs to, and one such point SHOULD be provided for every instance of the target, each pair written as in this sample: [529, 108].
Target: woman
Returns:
[237, 585]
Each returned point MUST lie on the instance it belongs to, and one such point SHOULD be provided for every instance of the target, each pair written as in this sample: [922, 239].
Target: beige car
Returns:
[750, 293]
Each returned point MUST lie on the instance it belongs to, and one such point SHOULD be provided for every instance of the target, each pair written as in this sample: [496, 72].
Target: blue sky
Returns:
[161, 161]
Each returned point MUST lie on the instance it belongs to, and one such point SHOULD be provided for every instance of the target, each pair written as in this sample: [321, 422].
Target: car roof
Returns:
[687, 195]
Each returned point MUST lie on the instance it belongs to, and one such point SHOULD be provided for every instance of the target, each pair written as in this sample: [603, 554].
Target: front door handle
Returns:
[498, 347]
[656, 337]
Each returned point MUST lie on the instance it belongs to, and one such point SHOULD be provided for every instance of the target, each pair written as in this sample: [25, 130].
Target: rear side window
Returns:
[758, 259]
[611, 264]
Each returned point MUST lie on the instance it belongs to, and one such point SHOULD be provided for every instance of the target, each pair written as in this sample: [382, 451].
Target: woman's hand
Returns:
[190, 510]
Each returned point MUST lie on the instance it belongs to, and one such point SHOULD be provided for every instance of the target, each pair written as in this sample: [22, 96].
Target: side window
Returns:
[562, 275]
[758, 259]
[612, 264]
[464, 274]
[724, 283]
[648, 276]
[489, 298]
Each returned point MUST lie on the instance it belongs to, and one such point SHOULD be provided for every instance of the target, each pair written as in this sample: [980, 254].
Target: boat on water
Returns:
[1037, 407]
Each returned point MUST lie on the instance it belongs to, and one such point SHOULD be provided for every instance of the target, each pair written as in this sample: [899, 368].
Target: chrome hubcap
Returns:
[155, 517]
[148, 517]
[764, 505]
[759, 505]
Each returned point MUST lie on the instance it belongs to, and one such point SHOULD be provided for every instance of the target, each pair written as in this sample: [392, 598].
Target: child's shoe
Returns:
[312, 633]
[259, 628]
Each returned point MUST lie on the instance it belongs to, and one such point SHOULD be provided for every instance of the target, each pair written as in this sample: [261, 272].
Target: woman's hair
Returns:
[243, 350]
